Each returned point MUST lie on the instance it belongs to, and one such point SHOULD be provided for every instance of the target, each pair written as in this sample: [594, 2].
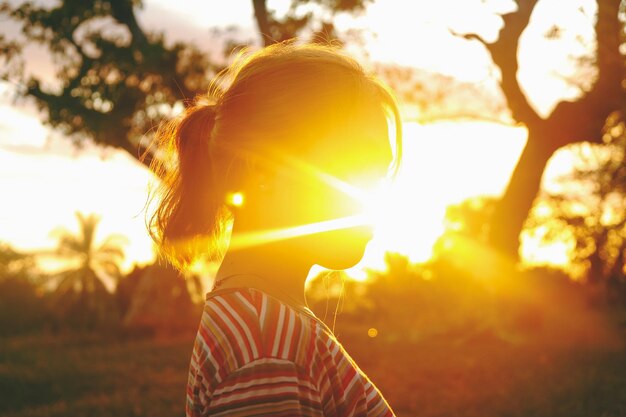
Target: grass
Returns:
[485, 376]
[491, 378]
[93, 376]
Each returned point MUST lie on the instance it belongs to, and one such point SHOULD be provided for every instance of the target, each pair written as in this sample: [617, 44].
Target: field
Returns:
[92, 376]
[489, 378]
[99, 376]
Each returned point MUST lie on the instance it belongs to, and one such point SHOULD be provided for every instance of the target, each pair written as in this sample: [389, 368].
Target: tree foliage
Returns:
[319, 24]
[116, 80]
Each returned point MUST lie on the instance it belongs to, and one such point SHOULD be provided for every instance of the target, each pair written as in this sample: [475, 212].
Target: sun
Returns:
[405, 220]
[443, 164]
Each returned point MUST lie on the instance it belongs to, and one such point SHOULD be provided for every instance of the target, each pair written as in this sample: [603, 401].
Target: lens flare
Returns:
[235, 199]
[250, 239]
[373, 200]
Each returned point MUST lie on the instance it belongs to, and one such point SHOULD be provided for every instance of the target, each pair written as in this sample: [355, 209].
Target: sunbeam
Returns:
[249, 239]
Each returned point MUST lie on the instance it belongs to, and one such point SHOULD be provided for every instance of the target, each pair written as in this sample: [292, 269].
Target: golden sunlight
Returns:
[246, 240]
[444, 163]
[536, 252]
[87, 183]
[440, 168]
[391, 26]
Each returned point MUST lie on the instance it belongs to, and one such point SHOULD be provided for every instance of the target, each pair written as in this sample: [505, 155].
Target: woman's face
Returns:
[327, 190]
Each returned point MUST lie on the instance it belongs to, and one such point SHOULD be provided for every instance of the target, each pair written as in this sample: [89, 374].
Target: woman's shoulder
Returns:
[246, 331]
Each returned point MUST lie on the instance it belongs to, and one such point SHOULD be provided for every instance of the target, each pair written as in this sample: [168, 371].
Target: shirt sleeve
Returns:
[266, 386]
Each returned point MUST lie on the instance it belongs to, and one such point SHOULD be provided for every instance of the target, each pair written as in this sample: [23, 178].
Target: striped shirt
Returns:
[257, 356]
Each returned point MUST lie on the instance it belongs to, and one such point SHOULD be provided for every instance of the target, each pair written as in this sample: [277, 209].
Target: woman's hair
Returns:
[282, 98]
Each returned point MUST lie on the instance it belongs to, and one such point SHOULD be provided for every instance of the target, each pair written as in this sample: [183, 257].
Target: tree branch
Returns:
[584, 119]
[504, 55]
[124, 13]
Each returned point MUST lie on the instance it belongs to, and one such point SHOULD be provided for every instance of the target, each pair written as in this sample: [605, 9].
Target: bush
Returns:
[22, 309]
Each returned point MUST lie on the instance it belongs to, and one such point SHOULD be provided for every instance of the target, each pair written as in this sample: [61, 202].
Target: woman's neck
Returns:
[279, 274]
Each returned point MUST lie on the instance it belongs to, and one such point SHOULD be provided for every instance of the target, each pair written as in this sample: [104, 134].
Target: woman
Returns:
[281, 151]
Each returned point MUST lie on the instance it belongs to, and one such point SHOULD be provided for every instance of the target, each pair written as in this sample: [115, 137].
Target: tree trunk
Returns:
[512, 209]
[262, 21]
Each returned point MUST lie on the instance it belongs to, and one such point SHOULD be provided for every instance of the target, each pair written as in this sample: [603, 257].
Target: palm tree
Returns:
[81, 295]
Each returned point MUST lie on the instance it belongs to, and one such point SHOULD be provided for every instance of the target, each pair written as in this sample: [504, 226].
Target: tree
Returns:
[80, 292]
[273, 29]
[588, 206]
[569, 122]
[117, 81]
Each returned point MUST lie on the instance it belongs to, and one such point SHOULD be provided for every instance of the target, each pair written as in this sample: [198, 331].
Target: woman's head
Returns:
[292, 128]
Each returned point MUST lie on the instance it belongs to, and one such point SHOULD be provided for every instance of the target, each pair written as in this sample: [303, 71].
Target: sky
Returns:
[44, 179]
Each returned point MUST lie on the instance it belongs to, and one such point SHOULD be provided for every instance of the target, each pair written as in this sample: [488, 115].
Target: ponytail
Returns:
[191, 214]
